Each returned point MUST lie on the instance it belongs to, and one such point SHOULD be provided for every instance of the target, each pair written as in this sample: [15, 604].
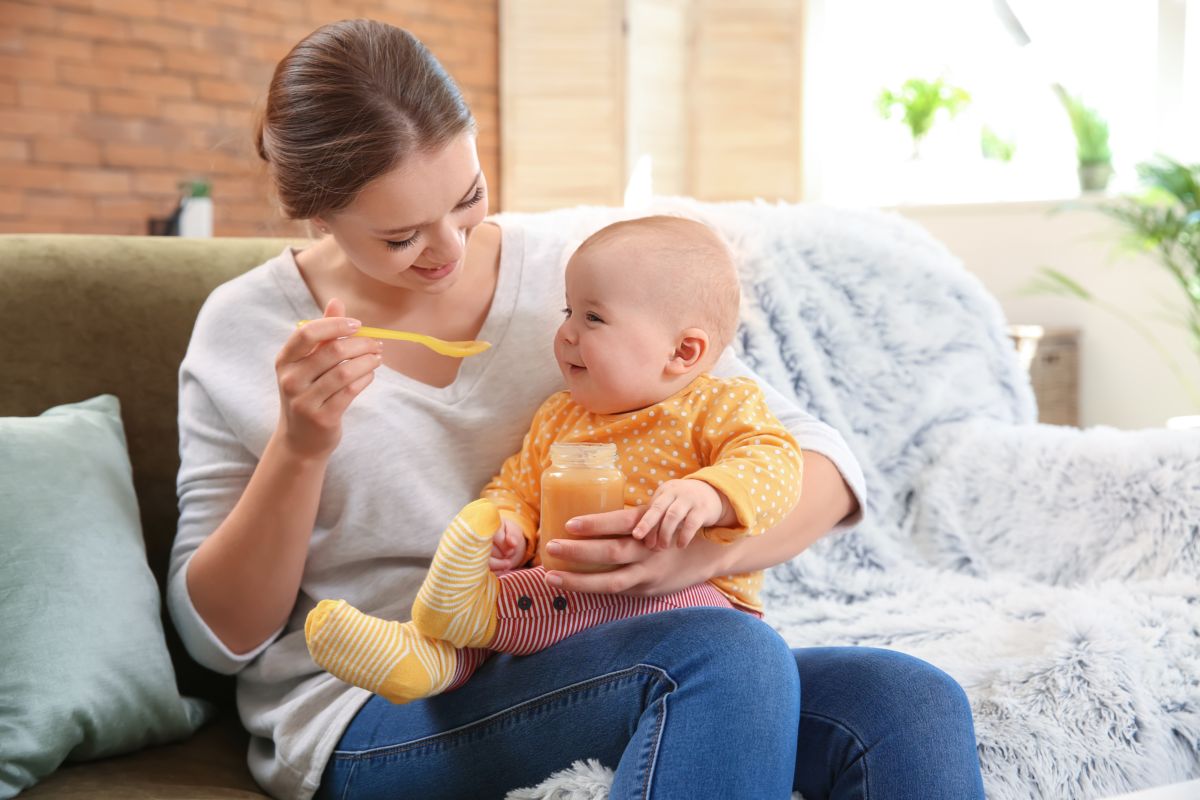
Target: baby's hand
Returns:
[677, 512]
[508, 547]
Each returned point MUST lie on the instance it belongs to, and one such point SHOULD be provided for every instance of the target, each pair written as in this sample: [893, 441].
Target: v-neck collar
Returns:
[495, 325]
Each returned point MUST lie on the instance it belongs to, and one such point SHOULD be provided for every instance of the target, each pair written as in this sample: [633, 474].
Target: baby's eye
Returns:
[593, 318]
[566, 313]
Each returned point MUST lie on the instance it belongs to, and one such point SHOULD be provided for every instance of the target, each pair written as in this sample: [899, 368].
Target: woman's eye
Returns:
[409, 242]
[475, 198]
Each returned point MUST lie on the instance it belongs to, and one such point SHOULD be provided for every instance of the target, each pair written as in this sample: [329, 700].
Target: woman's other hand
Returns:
[320, 370]
[641, 570]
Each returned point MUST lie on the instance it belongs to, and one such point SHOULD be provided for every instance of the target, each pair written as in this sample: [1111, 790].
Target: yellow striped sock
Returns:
[389, 658]
[457, 601]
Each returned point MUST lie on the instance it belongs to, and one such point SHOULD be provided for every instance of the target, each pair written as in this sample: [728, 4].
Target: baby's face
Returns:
[611, 347]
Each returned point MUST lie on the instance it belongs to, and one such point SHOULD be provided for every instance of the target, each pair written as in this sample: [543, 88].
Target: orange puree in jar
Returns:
[581, 479]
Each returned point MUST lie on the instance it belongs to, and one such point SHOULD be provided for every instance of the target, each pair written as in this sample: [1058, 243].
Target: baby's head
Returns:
[651, 303]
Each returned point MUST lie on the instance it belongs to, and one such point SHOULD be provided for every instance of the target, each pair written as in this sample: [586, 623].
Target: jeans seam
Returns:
[345, 793]
[662, 724]
[541, 700]
[866, 791]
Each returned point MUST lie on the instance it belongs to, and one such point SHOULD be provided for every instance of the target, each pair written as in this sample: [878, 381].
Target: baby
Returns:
[651, 303]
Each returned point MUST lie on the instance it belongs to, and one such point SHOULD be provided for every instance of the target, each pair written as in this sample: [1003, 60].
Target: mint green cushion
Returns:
[84, 670]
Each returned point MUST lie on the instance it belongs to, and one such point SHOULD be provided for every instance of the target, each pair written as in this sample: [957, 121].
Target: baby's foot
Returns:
[457, 601]
[389, 658]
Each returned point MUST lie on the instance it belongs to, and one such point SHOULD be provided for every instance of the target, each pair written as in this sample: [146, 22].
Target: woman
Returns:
[299, 483]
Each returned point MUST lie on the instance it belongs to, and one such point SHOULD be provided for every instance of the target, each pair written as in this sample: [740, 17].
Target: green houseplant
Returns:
[917, 103]
[1091, 141]
[1163, 220]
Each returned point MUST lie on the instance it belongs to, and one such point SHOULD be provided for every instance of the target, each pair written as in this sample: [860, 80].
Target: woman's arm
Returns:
[242, 578]
[825, 501]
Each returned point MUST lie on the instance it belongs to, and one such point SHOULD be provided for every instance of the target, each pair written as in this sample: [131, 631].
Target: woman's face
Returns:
[408, 229]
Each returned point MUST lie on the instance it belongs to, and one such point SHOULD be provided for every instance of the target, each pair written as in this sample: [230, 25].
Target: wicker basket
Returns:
[1051, 357]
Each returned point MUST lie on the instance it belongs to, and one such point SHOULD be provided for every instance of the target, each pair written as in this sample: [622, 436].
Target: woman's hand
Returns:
[641, 571]
[320, 370]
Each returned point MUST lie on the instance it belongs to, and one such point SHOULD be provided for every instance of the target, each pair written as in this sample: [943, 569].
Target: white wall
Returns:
[1123, 382]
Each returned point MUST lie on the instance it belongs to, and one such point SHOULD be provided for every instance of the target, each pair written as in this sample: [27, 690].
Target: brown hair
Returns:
[687, 266]
[346, 105]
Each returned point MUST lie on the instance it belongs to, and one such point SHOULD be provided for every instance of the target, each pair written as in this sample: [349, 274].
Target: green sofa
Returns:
[87, 315]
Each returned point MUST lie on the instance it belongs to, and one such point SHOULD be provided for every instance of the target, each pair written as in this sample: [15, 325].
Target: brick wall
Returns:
[106, 105]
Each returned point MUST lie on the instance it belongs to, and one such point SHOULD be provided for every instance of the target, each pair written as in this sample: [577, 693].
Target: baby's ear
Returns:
[690, 349]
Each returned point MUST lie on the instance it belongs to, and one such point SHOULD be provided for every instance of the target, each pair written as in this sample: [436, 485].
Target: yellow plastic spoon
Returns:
[452, 349]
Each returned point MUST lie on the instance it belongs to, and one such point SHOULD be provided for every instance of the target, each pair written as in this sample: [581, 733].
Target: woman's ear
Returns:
[690, 350]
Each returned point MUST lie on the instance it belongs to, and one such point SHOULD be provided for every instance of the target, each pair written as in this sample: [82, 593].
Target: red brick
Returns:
[98, 181]
[93, 76]
[59, 150]
[93, 26]
[151, 182]
[25, 68]
[34, 176]
[147, 9]
[32, 226]
[26, 122]
[161, 131]
[58, 206]
[140, 56]
[193, 62]
[108, 227]
[250, 23]
[269, 51]
[189, 12]
[128, 155]
[14, 149]
[54, 98]
[133, 105]
[130, 208]
[59, 47]
[186, 111]
[77, 5]
[158, 85]
[28, 16]
[159, 34]
[12, 203]
[225, 91]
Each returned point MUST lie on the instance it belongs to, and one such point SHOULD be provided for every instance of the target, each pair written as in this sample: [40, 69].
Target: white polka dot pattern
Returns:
[719, 431]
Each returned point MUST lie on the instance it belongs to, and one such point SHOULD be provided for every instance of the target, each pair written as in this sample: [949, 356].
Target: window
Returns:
[1136, 61]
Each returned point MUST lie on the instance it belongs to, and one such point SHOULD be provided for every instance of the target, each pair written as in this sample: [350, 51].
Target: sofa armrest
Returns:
[1061, 505]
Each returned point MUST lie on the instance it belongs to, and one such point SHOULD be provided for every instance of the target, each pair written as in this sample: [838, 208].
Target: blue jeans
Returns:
[694, 703]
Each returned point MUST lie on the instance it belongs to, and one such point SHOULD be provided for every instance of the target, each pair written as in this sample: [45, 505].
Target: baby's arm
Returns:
[754, 462]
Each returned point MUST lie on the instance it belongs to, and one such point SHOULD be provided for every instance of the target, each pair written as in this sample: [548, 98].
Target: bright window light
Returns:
[1136, 61]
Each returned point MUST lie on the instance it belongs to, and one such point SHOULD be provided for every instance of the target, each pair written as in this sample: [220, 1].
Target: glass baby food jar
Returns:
[581, 479]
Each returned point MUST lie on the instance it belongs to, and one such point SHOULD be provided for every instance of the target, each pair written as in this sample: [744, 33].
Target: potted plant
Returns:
[1164, 220]
[1091, 142]
[917, 103]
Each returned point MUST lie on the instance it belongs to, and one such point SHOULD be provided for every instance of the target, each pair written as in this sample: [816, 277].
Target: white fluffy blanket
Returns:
[1055, 573]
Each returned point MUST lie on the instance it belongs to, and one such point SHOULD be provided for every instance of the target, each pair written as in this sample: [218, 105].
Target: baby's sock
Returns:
[457, 601]
[389, 658]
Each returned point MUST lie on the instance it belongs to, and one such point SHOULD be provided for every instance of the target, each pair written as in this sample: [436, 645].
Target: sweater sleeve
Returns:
[214, 470]
[219, 373]
[811, 433]
[517, 489]
[752, 459]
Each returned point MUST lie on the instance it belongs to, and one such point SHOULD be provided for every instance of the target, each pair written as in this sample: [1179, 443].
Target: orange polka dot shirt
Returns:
[717, 430]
